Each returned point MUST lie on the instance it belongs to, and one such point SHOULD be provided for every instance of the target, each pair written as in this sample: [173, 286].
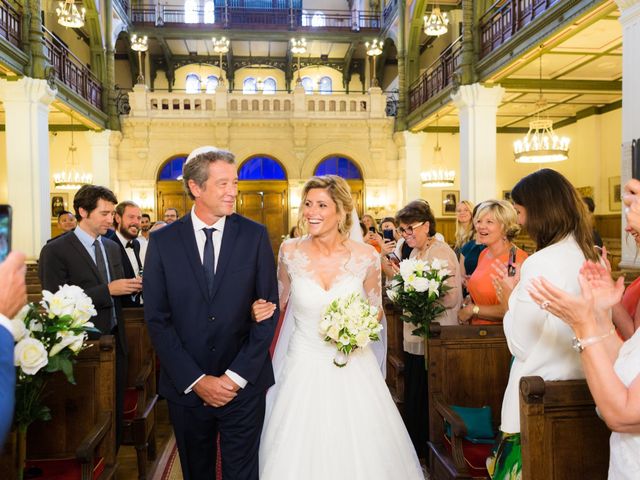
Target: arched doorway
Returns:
[346, 168]
[263, 194]
[170, 192]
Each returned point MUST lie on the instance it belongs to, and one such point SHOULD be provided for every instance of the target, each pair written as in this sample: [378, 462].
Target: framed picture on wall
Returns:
[585, 191]
[506, 195]
[615, 201]
[59, 202]
[449, 202]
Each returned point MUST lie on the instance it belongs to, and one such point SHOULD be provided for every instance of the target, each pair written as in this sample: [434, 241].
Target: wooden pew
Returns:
[468, 367]
[561, 435]
[395, 352]
[139, 425]
[81, 434]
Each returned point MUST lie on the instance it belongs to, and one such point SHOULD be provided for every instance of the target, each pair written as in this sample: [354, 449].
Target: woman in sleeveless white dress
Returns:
[325, 422]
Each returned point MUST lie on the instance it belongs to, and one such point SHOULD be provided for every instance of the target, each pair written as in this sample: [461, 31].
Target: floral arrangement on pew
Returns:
[349, 322]
[47, 335]
[417, 289]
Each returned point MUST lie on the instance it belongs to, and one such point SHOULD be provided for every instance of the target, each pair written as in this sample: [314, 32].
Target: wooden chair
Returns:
[139, 425]
[395, 352]
[561, 435]
[468, 367]
[80, 439]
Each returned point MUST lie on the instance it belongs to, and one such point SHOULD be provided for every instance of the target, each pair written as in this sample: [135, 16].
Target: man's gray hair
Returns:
[197, 168]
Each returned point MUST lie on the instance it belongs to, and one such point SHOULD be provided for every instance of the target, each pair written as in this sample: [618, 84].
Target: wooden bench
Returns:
[139, 425]
[468, 367]
[80, 436]
[561, 435]
[395, 352]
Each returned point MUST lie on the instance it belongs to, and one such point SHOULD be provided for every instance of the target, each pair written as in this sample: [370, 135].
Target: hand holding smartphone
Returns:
[387, 235]
[5, 231]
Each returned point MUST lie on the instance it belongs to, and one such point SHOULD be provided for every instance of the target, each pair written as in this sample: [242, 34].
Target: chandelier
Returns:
[298, 47]
[438, 176]
[374, 49]
[435, 23]
[68, 14]
[220, 46]
[541, 144]
[71, 178]
[139, 44]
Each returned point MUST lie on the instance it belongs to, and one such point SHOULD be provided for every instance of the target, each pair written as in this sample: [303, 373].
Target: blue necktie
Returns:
[208, 258]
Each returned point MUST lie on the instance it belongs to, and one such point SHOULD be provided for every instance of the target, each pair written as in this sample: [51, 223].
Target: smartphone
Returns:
[5, 231]
[372, 229]
[393, 258]
[388, 235]
[511, 266]
[635, 159]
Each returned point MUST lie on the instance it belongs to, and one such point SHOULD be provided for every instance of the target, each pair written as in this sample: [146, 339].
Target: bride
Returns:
[324, 422]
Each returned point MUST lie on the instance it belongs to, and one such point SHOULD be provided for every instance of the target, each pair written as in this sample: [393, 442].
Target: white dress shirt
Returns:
[201, 238]
[6, 323]
[130, 253]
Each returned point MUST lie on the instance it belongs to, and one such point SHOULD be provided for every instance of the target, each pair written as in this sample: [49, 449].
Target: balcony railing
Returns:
[242, 17]
[72, 72]
[438, 76]
[10, 21]
[389, 9]
[505, 19]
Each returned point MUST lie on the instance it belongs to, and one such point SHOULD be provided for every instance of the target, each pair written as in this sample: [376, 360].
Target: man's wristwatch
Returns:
[579, 344]
[475, 310]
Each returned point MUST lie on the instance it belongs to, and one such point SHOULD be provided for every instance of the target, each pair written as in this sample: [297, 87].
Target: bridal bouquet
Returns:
[417, 289]
[349, 322]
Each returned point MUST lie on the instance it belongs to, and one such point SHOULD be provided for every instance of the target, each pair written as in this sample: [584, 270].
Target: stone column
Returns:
[26, 104]
[477, 106]
[100, 157]
[630, 20]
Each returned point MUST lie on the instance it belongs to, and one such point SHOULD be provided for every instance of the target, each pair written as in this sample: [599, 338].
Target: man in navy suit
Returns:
[202, 274]
[13, 296]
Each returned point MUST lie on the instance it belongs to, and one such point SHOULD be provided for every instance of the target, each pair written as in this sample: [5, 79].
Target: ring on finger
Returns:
[545, 304]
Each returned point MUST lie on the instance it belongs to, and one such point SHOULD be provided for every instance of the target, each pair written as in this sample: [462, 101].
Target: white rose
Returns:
[30, 355]
[406, 268]
[333, 333]
[18, 329]
[362, 339]
[421, 284]
[325, 324]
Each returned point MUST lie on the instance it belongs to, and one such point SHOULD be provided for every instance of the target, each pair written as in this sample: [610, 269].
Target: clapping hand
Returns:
[606, 292]
[502, 282]
[262, 310]
[631, 200]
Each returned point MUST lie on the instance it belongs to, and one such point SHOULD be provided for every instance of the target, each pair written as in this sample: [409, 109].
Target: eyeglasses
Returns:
[409, 229]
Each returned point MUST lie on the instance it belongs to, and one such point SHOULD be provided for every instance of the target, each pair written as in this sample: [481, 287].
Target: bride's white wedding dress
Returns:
[325, 422]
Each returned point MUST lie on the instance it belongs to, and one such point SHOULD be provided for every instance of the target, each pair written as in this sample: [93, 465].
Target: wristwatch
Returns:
[475, 310]
[579, 344]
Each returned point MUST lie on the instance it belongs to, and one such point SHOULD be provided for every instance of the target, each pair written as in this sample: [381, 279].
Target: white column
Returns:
[410, 178]
[26, 104]
[630, 20]
[477, 113]
[100, 157]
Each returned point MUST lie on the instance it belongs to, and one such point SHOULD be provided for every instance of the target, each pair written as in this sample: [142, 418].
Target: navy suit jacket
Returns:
[7, 383]
[194, 334]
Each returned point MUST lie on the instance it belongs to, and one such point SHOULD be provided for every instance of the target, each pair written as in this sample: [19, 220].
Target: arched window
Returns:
[325, 85]
[172, 170]
[340, 166]
[191, 11]
[209, 12]
[212, 84]
[307, 83]
[318, 20]
[261, 168]
[192, 83]
[269, 86]
[306, 18]
[249, 85]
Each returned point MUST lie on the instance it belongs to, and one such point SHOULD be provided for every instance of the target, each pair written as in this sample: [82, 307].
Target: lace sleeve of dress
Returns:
[373, 280]
[284, 280]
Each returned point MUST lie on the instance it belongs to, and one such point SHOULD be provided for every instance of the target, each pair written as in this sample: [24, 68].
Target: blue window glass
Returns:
[172, 169]
[261, 168]
[341, 166]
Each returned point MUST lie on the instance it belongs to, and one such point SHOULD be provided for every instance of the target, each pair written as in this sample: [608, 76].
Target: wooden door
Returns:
[357, 193]
[265, 202]
[171, 194]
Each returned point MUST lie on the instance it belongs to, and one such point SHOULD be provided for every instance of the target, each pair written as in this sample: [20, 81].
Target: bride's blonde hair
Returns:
[339, 191]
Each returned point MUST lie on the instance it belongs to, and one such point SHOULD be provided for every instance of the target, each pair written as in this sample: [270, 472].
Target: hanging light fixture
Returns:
[69, 15]
[541, 144]
[435, 23]
[298, 47]
[139, 44]
[220, 46]
[438, 176]
[71, 178]
[374, 48]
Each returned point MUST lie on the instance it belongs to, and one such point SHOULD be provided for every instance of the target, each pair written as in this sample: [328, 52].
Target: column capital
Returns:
[99, 139]
[27, 89]
[477, 95]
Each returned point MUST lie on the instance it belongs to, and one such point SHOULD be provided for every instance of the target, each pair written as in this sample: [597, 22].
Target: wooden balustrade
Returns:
[438, 76]
[10, 23]
[504, 19]
[69, 70]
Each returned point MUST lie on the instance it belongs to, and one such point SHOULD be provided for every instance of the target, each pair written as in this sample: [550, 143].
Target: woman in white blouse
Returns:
[556, 219]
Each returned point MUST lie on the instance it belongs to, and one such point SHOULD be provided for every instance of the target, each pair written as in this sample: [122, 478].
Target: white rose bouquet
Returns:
[349, 322]
[418, 289]
[47, 338]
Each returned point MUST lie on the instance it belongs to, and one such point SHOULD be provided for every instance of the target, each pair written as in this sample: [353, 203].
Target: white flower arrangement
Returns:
[418, 289]
[349, 322]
